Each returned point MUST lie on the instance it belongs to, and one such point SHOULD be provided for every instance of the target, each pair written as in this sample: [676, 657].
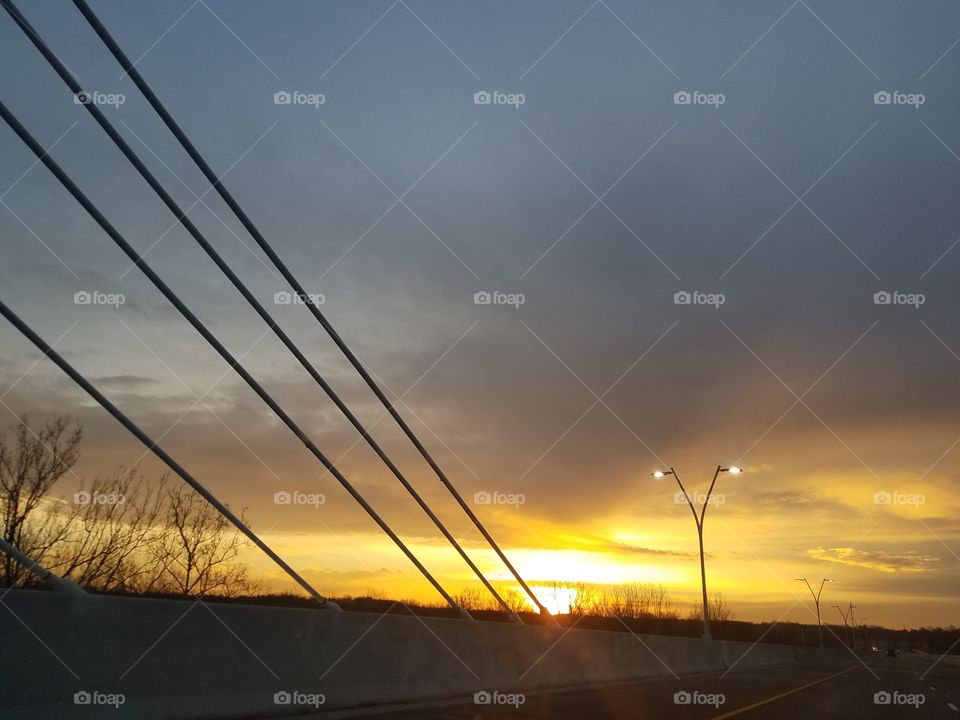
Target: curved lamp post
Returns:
[698, 519]
[846, 625]
[816, 601]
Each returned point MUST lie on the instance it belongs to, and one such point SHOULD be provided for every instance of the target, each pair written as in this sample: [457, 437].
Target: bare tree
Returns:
[30, 465]
[515, 600]
[633, 600]
[626, 600]
[661, 605]
[120, 533]
[104, 543]
[197, 552]
[585, 598]
[471, 599]
[719, 610]
[474, 598]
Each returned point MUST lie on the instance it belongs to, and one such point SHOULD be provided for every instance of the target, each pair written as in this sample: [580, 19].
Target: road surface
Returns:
[846, 688]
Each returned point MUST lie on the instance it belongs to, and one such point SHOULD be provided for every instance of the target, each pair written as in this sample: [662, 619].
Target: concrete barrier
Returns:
[94, 657]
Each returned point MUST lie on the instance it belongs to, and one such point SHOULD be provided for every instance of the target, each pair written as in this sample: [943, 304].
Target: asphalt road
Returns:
[836, 689]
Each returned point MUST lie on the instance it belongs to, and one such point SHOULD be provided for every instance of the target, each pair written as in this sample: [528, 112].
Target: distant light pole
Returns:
[853, 624]
[845, 625]
[816, 601]
[698, 519]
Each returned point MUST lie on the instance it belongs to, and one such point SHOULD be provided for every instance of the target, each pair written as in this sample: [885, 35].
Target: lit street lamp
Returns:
[816, 601]
[698, 519]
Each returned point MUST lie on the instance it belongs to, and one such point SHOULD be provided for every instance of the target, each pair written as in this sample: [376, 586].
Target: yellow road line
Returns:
[742, 710]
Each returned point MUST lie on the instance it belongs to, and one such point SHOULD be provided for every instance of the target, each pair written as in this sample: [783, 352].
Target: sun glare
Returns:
[556, 599]
[577, 566]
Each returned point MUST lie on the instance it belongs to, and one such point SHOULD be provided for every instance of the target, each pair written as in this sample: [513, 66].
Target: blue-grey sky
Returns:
[795, 196]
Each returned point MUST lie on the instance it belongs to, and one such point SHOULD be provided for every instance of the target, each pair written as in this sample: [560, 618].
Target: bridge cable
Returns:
[228, 198]
[138, 260]
[129, 153]
[160, 453]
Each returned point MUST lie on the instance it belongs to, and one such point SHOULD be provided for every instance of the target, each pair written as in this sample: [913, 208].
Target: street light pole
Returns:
[853, 624]
[816, 601]
[698, 519]
[846, 627]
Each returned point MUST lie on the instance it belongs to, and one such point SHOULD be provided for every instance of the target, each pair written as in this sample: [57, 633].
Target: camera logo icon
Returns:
[82, 98]
[82, 698]
[282, 697]
[282, 497]
[482, 98]
[882, 697]
[882, 98]
[282, 297]
[82, 497]
[682, 298]
[882, 498]
[282, 97]
[482, 298]
[482, 498]
[882, 297]
[682, 697]
[682, 97]
[898, 97]
[482, 697]
[82, 297]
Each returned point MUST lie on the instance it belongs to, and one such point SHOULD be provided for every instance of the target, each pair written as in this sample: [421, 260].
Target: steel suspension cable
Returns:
[258, 237]
[160, 453]
[138, 260]
[181, 216]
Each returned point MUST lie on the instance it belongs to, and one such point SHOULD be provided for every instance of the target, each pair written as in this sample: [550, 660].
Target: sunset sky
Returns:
[597, 199]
